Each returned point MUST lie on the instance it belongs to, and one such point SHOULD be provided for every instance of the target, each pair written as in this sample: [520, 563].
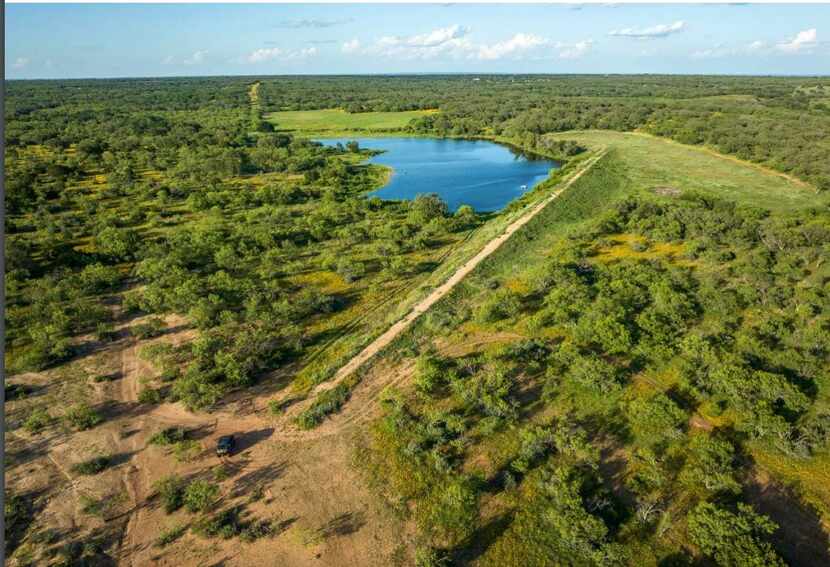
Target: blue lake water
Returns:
[482, 174]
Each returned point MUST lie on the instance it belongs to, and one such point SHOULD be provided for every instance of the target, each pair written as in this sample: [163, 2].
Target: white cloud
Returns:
[169, 60]
[450, 41]
[803, 41]
[352, 46]
[438, 37]
[515, 46]
[660, 30]
[454, 42]
[269, 54]
[575, 50]
[196, 59]
[313, 23]
[20, 62]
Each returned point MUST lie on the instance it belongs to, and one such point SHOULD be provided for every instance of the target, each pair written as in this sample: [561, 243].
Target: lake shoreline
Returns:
[484, 173]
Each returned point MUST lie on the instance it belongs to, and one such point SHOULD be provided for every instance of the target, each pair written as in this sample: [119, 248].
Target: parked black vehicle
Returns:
[225, 445]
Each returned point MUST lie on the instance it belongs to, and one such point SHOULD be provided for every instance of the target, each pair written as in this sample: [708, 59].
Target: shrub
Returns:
[38, 419]
[501, 305]
[153, 327]
[430, 373]
[327, 402]
[83, 417]
[733, 538]
[99, 507]
[224, 524]
[257, 530]
[106, 377]
[105, 332]
[170, 535]
[92, 466]
[18, 514]
[275, 407]
[200, 496]
[149, 396]
[187, 450]
[168, 436]
[171, 491]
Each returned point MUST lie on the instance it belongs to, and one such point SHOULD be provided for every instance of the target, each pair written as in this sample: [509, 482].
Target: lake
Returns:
[482, 174]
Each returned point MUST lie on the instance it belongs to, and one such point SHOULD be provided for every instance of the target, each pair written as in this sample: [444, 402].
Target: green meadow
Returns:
[332, 120]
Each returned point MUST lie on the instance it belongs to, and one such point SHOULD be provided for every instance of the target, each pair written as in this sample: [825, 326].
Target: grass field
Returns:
[334, 120]
[652, 162]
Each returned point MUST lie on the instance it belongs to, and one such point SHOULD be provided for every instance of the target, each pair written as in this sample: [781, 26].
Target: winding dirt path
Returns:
[442, 290]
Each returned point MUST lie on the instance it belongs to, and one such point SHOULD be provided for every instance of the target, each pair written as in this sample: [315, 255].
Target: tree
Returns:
[118, 244]
[656, 419]
[425, 208]
[733, 539]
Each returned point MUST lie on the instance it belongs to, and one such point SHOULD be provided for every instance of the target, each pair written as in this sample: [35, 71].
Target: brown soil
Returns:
[322, 512]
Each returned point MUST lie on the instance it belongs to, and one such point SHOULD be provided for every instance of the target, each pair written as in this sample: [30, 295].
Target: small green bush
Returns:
[171, 491]
[92, 466]
[153, 327]
[257, 530]
[38, 420]
[83, 417]
[99, 378]
[149, 396]
[224, 524]
[327, 402]
[170, 535]
[168, 436]
[105, 332]
[200, 496]
[187, 450]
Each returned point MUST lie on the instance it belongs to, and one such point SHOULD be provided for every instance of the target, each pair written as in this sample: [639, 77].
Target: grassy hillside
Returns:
[651, 163]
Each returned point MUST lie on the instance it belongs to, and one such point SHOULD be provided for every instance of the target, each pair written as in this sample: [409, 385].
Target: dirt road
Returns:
[395, 330]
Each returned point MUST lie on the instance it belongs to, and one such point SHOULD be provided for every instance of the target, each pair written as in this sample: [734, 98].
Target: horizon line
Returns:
[419, 73]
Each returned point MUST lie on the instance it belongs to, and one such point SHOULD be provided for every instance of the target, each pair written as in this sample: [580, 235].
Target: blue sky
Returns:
[117, 40]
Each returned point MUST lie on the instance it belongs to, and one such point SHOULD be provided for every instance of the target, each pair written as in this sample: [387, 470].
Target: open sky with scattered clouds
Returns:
[99, 40]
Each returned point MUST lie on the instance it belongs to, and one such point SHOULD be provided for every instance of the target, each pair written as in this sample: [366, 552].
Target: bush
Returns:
[149, 396]
[257, 530]
[501, 305]
[430, 374]
[171, 491]
[170, 535]
[733, 538]
[168, 436]
[327, 402]
[153, 327]
[18, 514]
[105, 332]
[224, 524]
[187, 450]
[83, 417]
[200, 496]
[275, 407]
[38, 419]
[92, 466]
[106, 377]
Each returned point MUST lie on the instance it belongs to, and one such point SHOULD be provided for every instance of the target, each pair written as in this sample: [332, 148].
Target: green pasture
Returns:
[334, 120]
[649, 162]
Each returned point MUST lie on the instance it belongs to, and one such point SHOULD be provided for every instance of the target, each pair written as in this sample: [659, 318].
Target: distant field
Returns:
[652, 162]
[333, 119]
